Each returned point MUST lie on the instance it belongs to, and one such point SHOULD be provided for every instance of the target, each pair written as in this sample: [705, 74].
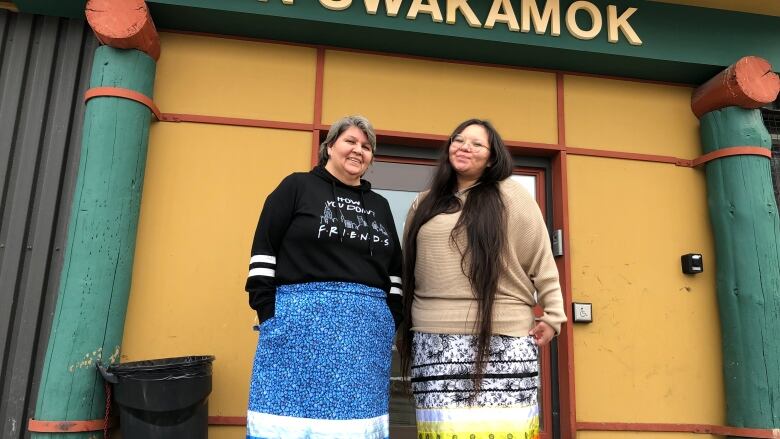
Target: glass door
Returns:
[399, 180]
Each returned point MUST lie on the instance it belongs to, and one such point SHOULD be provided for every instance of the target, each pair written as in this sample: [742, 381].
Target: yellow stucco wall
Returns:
[630, 116]
[204, 189]
[421, 96]
[234, 78]
[653, 352]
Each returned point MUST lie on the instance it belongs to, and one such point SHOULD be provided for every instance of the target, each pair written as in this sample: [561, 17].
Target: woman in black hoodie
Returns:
[324, 278]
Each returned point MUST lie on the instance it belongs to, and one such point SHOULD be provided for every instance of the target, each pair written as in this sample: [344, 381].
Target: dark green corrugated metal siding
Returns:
[44, 68]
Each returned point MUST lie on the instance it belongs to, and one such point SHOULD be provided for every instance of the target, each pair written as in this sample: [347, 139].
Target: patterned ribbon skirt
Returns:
[322, 364]
[442, 383]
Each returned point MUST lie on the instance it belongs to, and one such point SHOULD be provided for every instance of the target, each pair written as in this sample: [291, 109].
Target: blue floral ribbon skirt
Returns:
[322, 364]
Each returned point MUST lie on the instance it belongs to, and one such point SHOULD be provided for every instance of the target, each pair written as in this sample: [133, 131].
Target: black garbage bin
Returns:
[162, 399]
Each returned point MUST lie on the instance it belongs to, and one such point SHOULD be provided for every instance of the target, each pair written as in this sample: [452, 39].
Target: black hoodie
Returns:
[314, 228]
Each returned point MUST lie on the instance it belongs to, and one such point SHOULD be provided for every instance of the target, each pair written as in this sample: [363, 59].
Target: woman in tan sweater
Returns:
[477, 259]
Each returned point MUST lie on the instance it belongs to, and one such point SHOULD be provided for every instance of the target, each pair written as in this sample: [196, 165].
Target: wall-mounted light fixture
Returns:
[692, 263]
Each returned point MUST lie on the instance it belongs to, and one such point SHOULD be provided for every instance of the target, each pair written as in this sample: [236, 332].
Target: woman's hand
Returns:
[542, 333]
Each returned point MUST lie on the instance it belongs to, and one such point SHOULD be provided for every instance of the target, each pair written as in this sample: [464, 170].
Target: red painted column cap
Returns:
[124, 24]
[748, 83]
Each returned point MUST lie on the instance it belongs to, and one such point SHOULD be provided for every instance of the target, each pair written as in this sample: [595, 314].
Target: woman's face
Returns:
[470, 152]
[350, 155]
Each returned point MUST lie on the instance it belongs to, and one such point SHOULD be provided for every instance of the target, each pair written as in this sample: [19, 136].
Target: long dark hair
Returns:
[483, 219]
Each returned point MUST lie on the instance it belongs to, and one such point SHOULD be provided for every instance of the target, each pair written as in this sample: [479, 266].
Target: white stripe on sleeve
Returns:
[263, 258]
[262, 272]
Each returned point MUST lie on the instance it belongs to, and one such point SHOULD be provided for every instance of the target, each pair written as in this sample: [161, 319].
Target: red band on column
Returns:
[125, 93]
[727, 152]
[37, 426]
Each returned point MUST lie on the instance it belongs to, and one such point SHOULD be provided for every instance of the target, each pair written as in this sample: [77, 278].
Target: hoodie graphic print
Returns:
[313, 228]
[348, 219]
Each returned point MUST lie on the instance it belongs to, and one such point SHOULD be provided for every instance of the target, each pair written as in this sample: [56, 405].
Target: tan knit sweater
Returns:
[443, 300]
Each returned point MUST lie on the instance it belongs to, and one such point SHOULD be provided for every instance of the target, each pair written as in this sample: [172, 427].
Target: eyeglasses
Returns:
[461, 142]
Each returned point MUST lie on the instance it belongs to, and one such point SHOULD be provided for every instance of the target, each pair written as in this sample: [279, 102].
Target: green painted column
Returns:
[95, 281]
[747, 240]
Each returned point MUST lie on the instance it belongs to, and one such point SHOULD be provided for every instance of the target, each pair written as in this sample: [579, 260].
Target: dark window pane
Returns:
[401, 405]
[772, 121]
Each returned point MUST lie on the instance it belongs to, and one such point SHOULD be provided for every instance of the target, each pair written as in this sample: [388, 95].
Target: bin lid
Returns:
[161, 365]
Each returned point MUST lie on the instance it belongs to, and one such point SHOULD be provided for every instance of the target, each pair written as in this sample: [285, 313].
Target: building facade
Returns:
[594, 100]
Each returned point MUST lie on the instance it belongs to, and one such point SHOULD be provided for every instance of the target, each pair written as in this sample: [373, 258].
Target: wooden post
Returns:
[95, 282]
[745, 222]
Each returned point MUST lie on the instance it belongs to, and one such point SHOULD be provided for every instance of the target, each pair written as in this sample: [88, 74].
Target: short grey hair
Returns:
[342, 125]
